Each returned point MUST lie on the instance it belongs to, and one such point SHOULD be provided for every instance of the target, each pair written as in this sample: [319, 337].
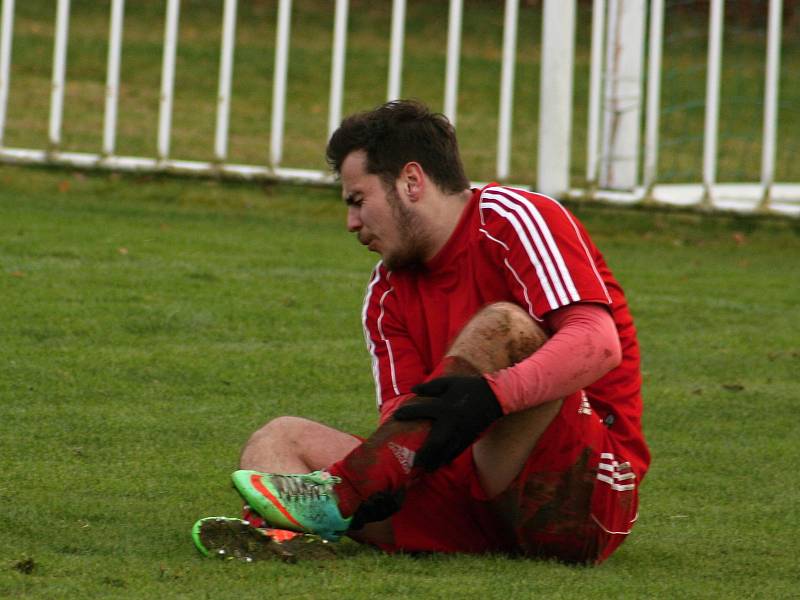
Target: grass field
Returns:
[682, 97]
[149, 325]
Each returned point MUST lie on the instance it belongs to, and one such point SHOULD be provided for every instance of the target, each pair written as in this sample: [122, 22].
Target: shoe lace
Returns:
[304, 488]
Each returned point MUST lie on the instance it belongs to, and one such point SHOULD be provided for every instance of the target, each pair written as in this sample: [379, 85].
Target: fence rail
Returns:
[620, 89]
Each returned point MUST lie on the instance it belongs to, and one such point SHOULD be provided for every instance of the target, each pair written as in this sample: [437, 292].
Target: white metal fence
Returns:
[622, 132]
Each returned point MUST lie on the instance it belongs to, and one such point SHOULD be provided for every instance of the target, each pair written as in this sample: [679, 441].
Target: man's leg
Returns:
[540, 477]
[284, 445]
[295, 445]
[499, 336]
[496, 337]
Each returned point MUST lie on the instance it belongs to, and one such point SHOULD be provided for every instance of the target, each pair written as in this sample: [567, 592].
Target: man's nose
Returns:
[353, 220]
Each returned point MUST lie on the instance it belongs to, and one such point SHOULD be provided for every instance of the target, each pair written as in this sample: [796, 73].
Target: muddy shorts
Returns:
[575, 499]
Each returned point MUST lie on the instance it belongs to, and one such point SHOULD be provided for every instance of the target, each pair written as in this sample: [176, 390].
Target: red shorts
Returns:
[575, 499]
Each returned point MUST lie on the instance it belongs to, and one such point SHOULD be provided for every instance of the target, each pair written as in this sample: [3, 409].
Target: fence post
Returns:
[6, 28]
[771, 102]
[651, 134]
[453, 60]
[168, 78]
[711, 127]
[396, 49]
[59, 74]
[225, 81]
[279, 82]
[507, 90]
[555, 96]
[337, 66]
[595, 93]
[623, 94]
[112, 77]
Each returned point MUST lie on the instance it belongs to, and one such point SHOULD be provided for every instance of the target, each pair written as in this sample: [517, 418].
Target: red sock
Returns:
[385, 461]
[252, 517]
[255, 520]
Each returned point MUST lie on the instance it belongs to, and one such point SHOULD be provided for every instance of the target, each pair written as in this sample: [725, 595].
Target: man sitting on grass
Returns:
[505, 361]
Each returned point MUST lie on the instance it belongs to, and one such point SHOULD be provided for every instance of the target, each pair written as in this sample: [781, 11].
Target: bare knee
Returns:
[279, 436]
[278, 429]
[295, 445]
[498, 336]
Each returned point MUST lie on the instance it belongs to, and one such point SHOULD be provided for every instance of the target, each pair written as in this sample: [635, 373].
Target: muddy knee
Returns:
[498, 336]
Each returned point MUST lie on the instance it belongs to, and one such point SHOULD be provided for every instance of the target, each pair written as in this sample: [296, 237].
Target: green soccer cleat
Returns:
[305, 503]
[234, 539]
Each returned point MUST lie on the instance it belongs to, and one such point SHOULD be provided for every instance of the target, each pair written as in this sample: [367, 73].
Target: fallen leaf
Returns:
[63, 186]
[739, 238]
[17, 273]
[123, 251]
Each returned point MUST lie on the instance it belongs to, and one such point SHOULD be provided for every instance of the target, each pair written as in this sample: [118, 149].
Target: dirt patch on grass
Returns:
[25, 565]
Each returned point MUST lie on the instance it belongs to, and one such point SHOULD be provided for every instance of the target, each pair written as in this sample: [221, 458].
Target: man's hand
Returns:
[460, 408]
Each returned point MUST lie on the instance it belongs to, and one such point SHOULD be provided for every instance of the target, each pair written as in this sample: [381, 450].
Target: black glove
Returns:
[460, 408]
[379, 506]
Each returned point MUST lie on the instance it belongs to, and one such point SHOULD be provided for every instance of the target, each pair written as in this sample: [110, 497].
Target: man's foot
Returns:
[305, 503]
[235, 539]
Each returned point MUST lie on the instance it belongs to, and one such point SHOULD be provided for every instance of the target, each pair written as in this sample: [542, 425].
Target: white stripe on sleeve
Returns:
[585, 249]
[521, 283]
[526, 244]
[551, 243]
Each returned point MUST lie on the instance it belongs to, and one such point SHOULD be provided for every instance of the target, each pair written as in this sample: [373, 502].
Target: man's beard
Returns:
[411, 235]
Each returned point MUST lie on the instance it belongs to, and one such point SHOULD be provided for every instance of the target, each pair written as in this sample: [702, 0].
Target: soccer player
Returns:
[505, 362]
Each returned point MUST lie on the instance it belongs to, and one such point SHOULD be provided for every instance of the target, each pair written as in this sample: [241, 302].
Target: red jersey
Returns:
[509, 245]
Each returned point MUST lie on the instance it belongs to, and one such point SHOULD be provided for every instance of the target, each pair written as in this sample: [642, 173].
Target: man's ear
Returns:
[413, 181]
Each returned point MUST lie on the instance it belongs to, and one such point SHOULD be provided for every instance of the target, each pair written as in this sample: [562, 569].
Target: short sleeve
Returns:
[547, 254]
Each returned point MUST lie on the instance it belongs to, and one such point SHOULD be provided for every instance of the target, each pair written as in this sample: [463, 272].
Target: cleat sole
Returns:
[232, 539]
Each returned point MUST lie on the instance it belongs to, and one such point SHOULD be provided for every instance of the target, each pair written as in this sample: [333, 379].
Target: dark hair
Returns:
[397, 133]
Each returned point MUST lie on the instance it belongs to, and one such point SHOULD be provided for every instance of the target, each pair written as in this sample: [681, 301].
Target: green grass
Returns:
[149, 325]
[683, 82]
